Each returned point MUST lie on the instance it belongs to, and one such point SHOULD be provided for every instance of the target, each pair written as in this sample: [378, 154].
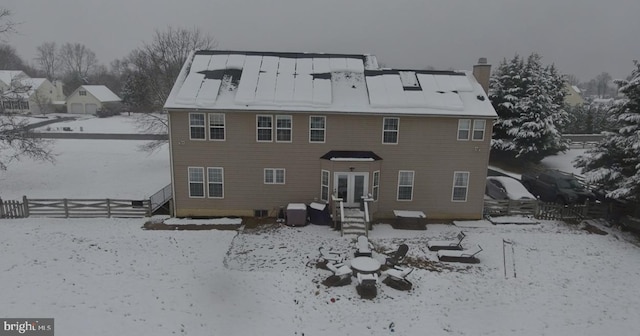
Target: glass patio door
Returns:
[351, 187]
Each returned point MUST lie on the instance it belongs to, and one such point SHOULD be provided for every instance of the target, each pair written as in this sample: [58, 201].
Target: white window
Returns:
[405, 185]
[390, 130]
[324, 185]
[317, 128]
[464, 127]
[216, 126]
[264, 128]
[196, 182]
[460, 186]
[376, 185]
[478, 129]
[215, 177]
[284, 126]
[196, 126]
[82, 93]
[274, 176]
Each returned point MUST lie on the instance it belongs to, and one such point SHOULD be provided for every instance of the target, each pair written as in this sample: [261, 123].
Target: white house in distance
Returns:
[22, 94]
[88, 99]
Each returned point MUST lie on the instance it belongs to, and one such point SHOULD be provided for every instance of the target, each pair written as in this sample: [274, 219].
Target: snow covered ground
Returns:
[118, 124]
[110, 277]
[90, 168]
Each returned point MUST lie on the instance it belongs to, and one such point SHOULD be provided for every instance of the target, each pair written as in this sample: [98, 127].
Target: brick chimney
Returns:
[482, 72]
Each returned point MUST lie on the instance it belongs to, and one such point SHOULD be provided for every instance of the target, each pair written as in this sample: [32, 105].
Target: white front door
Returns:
[350, 187]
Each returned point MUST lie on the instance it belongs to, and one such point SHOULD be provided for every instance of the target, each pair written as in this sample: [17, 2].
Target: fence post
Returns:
[108, 208]
[66, 208]
[1, 209]
[25, 205]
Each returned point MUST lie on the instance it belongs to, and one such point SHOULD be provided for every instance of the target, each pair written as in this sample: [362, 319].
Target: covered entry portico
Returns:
[353, 174]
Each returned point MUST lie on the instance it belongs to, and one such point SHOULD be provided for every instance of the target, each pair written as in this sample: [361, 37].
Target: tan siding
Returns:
[427, 145]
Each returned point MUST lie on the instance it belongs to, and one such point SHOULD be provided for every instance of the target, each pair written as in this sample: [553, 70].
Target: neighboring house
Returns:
[253, 131]
[22, 94]
[89, 99]
[574, 95]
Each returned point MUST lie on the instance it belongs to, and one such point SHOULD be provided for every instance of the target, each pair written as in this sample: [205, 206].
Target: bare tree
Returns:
[43, 102]
[151, 71]
[7, 26]
[160, 61]
[152, 123]
[77, 59]
[48, 59]
[9, 59]
[16, 138]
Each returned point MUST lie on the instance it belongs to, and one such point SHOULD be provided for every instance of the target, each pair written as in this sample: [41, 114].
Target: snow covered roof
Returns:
[240, 80]
[6, 76]
[102, 93]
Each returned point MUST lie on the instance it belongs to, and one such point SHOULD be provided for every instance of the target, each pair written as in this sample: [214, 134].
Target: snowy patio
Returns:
[106, 277]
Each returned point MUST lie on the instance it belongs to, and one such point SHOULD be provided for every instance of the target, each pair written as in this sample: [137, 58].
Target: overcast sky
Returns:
[582, 37]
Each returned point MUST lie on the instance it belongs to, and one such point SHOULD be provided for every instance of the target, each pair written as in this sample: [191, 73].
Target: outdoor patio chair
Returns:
[466, 256]
[395, 257]
[331, 256]
[341, 275]
[363, 247]
[397, 278]
[437, 245]
[367, 285]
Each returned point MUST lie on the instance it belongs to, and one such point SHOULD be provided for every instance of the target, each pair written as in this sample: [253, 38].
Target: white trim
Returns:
[324, 130]
[204, 188]
[375, 186]
[413, 179]
[352, 159]
[258, 128]
[322, 172]
[224, 126]
[463, 129]
[274, 172]
[290, 118]
[473, 132]
[209, 183]
[204, 126]
[397, 131]
[466, 187]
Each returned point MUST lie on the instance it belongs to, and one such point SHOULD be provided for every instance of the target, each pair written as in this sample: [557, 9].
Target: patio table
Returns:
[366, 265]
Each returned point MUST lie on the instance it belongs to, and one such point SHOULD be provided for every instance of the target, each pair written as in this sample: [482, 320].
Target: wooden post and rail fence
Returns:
[75, 208]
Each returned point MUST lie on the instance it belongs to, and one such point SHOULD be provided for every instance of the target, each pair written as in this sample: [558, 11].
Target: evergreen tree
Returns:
[529, 100]
[615, 162]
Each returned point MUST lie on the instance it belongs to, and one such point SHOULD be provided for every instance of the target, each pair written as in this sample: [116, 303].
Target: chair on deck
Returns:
[397, 278]
[437, 245]
[363, 247]
[395, 258]
[466, 256]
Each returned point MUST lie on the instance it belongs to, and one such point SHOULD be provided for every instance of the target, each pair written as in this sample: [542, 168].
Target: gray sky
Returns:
[582, 37]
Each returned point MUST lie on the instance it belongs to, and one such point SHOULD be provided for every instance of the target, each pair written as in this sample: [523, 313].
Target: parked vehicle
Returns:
[504, 187]
[557, 186]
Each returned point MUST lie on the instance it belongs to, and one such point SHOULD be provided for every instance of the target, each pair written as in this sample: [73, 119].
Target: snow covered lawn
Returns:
[110, 277]
[89, 169]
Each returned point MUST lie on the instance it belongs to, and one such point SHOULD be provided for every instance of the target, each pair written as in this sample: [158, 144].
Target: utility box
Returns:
[296, 214]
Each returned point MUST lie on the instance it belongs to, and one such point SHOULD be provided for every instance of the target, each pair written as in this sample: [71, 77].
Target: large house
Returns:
[89, 99]
[251, 132]
[20, 93]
